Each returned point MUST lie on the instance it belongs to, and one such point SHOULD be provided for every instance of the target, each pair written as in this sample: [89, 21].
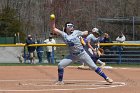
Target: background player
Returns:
[91, 45]
[76, 50]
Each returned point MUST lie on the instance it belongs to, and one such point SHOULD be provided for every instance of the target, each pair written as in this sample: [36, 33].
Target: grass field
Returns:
[76, 64]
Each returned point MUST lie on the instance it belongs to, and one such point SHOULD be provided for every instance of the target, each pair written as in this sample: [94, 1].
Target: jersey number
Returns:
[70, 43]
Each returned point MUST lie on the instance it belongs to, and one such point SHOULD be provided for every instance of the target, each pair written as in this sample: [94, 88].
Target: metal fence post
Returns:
[24, 54]
[120, 55]
[52, 55]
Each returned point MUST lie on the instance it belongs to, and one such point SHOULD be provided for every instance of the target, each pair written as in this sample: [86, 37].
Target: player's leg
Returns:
[39, 54]
[31, 57]
[95, 58]
[101, 63]
[87, 59]
[90, 52]
[48, 56]
[63, 63]
[82, 66]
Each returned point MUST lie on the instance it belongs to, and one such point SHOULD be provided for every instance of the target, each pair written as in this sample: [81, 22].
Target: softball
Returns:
[52, 16]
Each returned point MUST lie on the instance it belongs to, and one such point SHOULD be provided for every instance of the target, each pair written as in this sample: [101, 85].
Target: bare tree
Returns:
[34, 14]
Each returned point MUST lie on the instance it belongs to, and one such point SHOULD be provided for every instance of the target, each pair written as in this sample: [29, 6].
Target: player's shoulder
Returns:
[77, 32]
[90, 35]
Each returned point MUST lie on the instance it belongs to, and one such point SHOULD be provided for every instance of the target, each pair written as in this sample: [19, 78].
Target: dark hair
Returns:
[66, 25]
[120, 36]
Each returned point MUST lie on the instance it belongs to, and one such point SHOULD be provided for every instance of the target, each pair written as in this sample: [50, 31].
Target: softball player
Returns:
[76, 50]
[93, 51]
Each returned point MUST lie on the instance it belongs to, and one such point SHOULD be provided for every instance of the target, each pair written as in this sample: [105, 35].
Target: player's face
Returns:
[95, 34]
[70, 27]
[30, 38]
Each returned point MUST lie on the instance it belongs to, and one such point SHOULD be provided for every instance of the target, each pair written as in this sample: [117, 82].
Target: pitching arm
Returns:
[84, 33]
[53, 27]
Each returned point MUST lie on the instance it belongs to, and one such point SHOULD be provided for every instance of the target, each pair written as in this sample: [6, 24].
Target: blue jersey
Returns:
[73, 41]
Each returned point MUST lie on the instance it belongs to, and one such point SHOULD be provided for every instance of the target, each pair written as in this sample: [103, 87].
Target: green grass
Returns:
[25, 64]
[124, 65]
[74, 64]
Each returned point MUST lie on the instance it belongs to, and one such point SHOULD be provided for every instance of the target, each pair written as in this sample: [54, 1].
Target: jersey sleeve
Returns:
[89, 37]
[63, 35]
[92, 37]
[78, 32]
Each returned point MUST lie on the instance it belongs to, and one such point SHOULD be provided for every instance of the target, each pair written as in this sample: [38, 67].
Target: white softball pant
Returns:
[82, 57]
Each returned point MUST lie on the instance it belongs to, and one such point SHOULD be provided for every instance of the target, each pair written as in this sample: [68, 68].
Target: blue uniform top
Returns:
[73, 41]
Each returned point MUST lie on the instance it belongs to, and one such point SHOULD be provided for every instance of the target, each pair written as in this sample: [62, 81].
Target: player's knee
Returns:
[60, 66]
[31, 57]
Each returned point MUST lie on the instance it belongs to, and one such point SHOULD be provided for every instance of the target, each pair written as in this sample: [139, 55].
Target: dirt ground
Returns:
[41, 79]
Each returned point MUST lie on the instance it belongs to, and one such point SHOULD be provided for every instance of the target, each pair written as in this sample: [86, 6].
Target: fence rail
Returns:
[101, 44]
[131, 52]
